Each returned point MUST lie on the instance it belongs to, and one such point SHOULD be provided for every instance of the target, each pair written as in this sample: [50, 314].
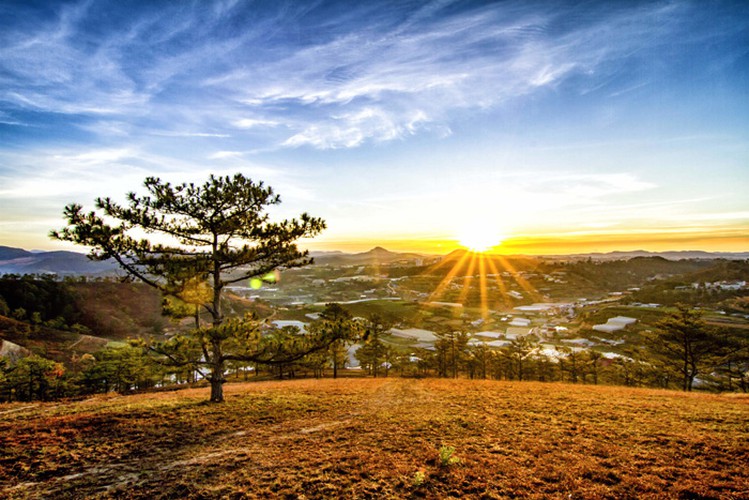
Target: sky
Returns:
[534, 127]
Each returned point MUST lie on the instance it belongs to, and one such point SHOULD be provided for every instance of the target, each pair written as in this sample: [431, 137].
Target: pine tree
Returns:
[210, 235]
[684, 342]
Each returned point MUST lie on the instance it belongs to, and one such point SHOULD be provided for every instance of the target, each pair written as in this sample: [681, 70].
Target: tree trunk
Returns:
[692, 374]
[217, 372]
[217, 389]
[216, 361]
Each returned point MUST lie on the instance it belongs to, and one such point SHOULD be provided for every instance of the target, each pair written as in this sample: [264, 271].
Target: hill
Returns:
[380, 438]
[119, 310]
[18, 261]
[375, 256]
[463, 261]
[107, 310]
[83, 316]
[10, 253]
[673, 255]
[722, 271]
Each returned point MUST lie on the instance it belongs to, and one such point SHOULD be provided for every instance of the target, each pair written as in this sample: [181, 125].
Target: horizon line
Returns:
[457, 248]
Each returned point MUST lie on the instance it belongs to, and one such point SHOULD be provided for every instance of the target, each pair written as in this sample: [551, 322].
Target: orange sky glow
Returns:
[553, 245]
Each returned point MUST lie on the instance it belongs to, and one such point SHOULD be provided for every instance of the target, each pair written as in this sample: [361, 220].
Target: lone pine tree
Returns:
[213, 234]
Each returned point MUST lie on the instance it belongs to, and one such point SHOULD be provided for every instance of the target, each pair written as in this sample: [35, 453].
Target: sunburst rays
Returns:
[485, 268]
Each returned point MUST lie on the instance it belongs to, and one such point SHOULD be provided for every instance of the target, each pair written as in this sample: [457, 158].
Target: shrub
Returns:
[446, 456]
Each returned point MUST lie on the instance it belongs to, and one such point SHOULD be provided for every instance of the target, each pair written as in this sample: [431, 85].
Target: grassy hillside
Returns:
[119, 310]
[380, 438]
[110, 310]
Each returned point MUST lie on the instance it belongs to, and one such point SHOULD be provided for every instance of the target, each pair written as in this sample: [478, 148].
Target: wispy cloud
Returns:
[433, 67]
[399, 73]
[52, 178]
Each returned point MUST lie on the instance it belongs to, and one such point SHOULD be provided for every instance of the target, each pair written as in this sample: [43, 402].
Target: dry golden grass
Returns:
[354, 438]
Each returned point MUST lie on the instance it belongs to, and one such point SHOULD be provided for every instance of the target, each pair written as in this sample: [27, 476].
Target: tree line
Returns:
[682, 353]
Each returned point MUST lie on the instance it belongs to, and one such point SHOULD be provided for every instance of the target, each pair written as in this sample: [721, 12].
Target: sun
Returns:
[479, 238]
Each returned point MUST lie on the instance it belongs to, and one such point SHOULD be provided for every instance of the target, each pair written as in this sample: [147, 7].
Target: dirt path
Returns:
[22, 408]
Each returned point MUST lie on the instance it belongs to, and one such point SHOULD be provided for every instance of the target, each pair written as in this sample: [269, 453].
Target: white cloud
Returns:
[326, 137]
[97, 156]
[223, 155]
[254, 122]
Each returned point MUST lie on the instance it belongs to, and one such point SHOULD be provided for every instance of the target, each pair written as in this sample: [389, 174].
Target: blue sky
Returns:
[550, 125]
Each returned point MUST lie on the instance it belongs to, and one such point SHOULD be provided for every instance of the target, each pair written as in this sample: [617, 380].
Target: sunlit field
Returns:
[367, 438]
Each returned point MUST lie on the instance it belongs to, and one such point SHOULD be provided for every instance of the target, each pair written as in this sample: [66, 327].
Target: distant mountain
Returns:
[377, 255]
[672, 255]
[10, 253]
[19, 261]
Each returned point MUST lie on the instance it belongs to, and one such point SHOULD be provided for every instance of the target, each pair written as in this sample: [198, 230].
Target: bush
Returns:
[446, 456]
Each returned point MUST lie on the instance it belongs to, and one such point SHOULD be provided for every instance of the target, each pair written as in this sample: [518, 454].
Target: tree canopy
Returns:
[219, 230]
